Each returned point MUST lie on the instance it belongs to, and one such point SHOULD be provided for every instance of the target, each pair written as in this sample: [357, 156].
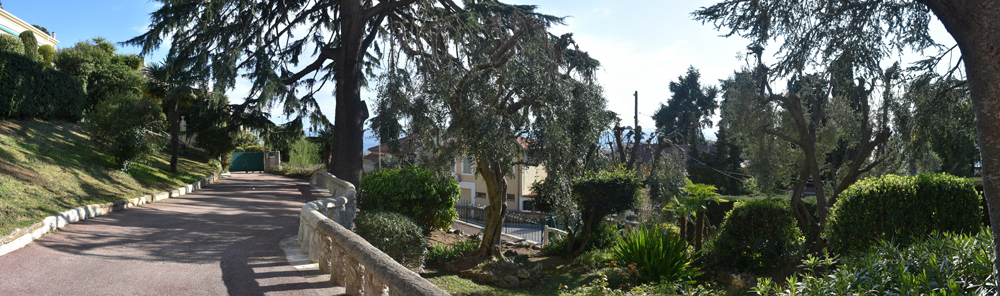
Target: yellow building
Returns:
[519, 194]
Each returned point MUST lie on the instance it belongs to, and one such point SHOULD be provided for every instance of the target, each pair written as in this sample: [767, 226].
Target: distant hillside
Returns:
[50, 167]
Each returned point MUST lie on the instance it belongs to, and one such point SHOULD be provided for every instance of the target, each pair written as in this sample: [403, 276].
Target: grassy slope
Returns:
[47, 168]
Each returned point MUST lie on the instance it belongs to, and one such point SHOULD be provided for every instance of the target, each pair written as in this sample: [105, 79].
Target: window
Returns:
[480, 195]
[510, 197]
[526, 205]
[466, 166]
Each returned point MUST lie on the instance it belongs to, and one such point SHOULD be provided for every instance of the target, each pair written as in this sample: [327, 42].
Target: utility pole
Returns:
[636, 94]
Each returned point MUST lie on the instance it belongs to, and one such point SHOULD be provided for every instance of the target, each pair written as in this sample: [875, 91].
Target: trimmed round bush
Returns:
[423, 195]
[396, 235]
[901, 208]
[46, 54]
[758, 236]
[11, 43]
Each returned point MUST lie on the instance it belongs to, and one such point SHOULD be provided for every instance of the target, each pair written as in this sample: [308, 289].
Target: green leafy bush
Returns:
[659, 256]
[105, 73]
[11, 43]
[30, 45]
[396, 235]
[596, 259]
[423, 195]
[899, 208]
[46, 53]
[444, 254]
[121, 126]
[938, 264]
[602, 236]
[757, 236]
[28, 90]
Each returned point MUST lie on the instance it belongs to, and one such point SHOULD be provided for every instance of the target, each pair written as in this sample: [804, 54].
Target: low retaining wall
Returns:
[325, 234]
[21, 237]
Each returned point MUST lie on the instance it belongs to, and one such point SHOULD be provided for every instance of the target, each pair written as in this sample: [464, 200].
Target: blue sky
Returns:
[642, 45]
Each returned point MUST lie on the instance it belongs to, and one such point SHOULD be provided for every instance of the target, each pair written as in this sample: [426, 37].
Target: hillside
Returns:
[49, 167]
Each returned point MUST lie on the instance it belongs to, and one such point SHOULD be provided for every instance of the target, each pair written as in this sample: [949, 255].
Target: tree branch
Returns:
[384, 6]
[782, 136]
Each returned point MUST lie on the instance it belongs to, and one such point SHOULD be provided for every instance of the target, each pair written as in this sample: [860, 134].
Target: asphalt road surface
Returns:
[223, 239]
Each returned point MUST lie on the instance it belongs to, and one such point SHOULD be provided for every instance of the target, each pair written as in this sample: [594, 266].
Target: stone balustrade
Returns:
[325, 234]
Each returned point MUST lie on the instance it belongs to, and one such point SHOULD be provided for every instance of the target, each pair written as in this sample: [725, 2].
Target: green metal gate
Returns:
[247, 162]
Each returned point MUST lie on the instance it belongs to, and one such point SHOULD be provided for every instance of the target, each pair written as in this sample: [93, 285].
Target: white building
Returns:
[10, 24]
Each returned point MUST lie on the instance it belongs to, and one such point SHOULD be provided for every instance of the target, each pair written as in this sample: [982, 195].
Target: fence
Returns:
[526, 225]
[324, 234]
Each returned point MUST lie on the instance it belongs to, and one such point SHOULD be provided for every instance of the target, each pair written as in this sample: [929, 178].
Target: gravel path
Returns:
[223, 239]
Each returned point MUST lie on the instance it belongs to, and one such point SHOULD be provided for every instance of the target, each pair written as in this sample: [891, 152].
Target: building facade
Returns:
[10, 24]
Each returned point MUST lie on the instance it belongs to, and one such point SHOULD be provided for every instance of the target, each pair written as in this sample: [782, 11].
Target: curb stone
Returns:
[23, 236]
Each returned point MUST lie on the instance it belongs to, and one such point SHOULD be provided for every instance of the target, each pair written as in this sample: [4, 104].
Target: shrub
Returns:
[28, 90]
[396, 235]
[443, 254]
[10, 43]
[30, 45]
[900, 208]
[46, 53]
[105, 73]
[596, 259]
[757, 236]
[425, 196]
[602, 236]
[938, 264]
[659, 256]
[120, 127]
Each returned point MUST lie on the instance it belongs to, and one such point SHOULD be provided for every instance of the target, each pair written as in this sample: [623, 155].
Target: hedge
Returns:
[11, 43]
[29, 90]
[758, 236]
[423, 195]
[901, 208]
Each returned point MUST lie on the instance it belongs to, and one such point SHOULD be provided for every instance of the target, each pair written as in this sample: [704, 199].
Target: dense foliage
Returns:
[105, 72]
[396, 235]
[602, 236]
[900, 208]
[598, 194]
[30, 45]
[121, 126]
[304, 152]
[427, 197]
[10, 43]
[29, 90]
[659, 256]
[46, 53]
[941, 264]
[757, 236]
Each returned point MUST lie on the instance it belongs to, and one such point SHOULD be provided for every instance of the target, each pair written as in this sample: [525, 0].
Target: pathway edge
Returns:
[23, 236]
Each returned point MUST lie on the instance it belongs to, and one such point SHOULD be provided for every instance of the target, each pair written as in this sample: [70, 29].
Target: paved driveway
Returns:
[223, 239]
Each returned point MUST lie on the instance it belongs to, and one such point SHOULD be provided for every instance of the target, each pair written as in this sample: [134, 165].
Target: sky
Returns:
[642, 45]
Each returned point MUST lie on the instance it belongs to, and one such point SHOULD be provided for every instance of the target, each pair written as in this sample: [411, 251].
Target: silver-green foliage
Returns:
[11, 43]
[396, 235]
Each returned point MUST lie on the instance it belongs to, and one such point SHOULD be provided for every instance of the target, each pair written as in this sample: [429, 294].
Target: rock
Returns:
[459, 232]
[512, 281]
[523, 274]
[527, 283]
[450, 267]
[510, 253]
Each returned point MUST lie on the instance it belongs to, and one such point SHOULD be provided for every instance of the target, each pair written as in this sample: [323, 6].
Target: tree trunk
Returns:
[975, 25]
[699, 230]
[586, 231]
[684, 222]
[496, 188]
[175, 131]
[348, 121]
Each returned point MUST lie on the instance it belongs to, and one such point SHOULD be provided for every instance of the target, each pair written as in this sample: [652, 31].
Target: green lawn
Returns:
[50, 167]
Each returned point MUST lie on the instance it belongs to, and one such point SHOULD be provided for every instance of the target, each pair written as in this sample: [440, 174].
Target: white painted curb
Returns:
[21, 237]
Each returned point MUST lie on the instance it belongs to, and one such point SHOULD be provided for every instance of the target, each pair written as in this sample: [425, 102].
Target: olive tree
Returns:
[477, 82]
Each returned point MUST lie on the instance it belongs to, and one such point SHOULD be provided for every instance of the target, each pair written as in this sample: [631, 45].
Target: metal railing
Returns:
[527, 226]
[324, 234]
